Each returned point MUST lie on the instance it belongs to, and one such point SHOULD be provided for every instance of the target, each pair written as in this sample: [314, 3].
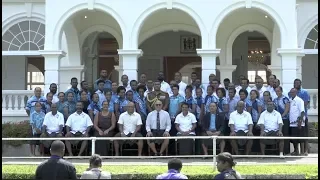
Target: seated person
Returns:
[158, 124]
[174, 168]
[271, 123]
[213, 125]
[52, 126]
[241, 124]
[78, 125]
[186, 124]
[129, 126]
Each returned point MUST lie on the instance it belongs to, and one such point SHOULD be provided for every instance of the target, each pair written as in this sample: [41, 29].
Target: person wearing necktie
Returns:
[158, 124]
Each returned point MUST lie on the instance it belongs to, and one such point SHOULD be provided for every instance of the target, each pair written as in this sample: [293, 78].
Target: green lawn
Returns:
[308, 170]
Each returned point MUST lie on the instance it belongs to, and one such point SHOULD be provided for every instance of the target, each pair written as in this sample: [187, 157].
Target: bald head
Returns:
[240, 107]
[57, 148]
[130, 107]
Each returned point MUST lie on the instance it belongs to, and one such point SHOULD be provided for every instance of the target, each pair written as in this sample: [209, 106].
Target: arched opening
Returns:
[169, 39]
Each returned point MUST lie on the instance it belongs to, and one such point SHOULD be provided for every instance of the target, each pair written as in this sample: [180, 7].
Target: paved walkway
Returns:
[311, 159]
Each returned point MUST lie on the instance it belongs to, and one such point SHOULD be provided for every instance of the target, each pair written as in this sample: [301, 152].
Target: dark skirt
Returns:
[185, 146]
[103, 146]
[297, 132]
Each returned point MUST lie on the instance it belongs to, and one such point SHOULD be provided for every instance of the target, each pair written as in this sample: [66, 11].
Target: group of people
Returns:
[158, 109]
[58, 168]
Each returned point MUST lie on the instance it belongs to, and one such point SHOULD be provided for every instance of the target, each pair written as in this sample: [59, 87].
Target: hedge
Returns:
[16, 130]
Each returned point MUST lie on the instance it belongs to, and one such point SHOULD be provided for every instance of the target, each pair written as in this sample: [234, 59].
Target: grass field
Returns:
[308, 170]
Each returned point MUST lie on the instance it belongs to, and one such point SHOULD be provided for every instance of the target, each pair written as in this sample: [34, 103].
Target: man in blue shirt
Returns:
[30, 107]
[74, 90]
[174, 168]
[104, 77]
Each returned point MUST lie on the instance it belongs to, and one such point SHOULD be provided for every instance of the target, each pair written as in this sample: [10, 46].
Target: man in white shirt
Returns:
[53, 89]
[271, 123]
[297, 121]
[244, 85]
[129, 126]
[78, 125]
[276, 83]
[270, 82]
[100, 91]
[149, 87]
[241, 124]
[164, 85]
[52, 126]
[125, 82]
[182, 85]
[158, 124]
[186, 124]
[259, 87]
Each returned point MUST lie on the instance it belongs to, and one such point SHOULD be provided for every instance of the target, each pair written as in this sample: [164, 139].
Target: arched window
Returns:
[24, 36]
[312, 39]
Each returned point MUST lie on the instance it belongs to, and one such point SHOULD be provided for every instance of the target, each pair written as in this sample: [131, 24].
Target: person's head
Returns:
[143, 78]
[141, 89]
[177, 77]
[259, 83]
[49, 97]
[108, 95]
[54, 108]
[160, 76]
[226, 82]
[172, 82]
[184, 108]
[231, 92]
[114, 86]
[175, 164]
[271, 79]
[240, 106]
[74, 82]
[95, 97]
[279, 91]
[215, 83]
[224, 161]
[254, 94]
[38, 106]
[83, 95]
[276, 83]
[157, 85]
[130, 108]
[221, 92]
[240, 78]
[197, 82]
[37, 91]
[61, 96]
[150, 84]
[175, 89]
[213, 108]
[158, 105]
[121, 91]
[199, 92]
[297, 83]
[84, 85]
[270, 106]
[210, 90]
[244, 83]
[79, 107]
[212, 77]
[188, 91]
[103, 73]
[129, 95]
[133, 85]
[53, 88]
[243, 94]
[57, 148]
[293, 92]
[266, 96]
[231, 86]
[95, 161]
[100, 84]
[105, 106]
[70, 96]
[124, 79]
[193, 77]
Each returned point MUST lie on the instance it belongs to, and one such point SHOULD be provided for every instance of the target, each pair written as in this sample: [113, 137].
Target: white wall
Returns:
[310, 71]
[14, 73]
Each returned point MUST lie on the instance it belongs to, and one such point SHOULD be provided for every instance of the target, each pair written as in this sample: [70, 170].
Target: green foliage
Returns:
[17, 130]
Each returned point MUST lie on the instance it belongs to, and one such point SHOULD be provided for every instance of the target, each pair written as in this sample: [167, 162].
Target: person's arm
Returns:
[117, 109]
[287, 108]
[120, 123]
[168, 122]
[90, 112]
[166, 102]
[89, 124]
[113, 122]
[231, 123]
[66, 111]
[205, 128]
[193, 109]
[249, 107]
[280, 122]
[28, 107]
[138, 110]
[95, 123]
[222, 124]
[68, 125]
[148, 123]
[44, 124]
[72, 172]
[61, 123]
[148, 103]
[250, 123]
[38, 172]
[139, 124]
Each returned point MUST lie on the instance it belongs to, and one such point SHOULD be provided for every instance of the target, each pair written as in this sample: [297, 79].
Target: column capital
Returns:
[295, 52]
[71, 68]
[53, 53]
[130, 52]
[208, 52]
[226, 67]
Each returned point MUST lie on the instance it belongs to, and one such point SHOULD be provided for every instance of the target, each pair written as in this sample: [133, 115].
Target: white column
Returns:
[289, 66]
[208, 65]
[68, 72]
[129, 63]
[226, 71]
[51, 67]
[299, 67]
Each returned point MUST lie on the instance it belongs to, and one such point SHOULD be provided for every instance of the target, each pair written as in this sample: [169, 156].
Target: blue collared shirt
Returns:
[254, 112]
[232, 105]
[75, 92]
[60, 107]
[36, 119]
[95, 107]
[280, 104]
[172, 174]
[122, 104]
[304, 95]
[190, 101]
[174, 105]
[221, 102]
[111, 105]
[199, 102]
[208, 100]
[71, 107]
[32, 101]
[107, 85]
[142, 105]
[212, 126]
[114, 97]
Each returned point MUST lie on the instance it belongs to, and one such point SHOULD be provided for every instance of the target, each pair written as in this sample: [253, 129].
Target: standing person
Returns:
[143, 79]
[108, 95]
[30, 107]
[209, 99]
[224, 165]
[259, 87]
[155, 95]
[69, 106]
[95, 106]
[141, 107]
[175, 103]
[226, 83]
[165, 87]
[100, 91]
[125, 82]
[271, 78]
[36, 121]
[192, 103]
[133, 88]
[85, 101]
[94, 171]
[74, 90]
[182, 85]
[84, 87]
[195, 86]
[174, 169]
[53, 89]
[56, 167]
[114, 96]
[120, 105]
[104, 78]
[149, 87]
[48, 103]
[60, 102]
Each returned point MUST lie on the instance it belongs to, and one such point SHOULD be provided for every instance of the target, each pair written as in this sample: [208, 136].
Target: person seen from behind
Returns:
[94, 171]
[224, 165]
[174, 169]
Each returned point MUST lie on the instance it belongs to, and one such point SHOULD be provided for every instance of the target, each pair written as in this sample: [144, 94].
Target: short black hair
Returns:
[223, 91]
[246, 79]
[299, 80]
[175, 85]
[74, 78]
[184, 104]
[120, 88]
[129, 91]
[244, 91]
[175, 164]
[95, 160]
[57, 146]
[52, 84]
[280, 88]
[100, 81]
[226, 157]
[81, 84]
[61, 93]
[194, 73]
[141, 87]
[189, 87]
[93, 95]
[226, 80]
[216, 80]
[132, 81]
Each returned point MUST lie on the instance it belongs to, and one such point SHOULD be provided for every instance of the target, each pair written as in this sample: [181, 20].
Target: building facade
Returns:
[51, 41]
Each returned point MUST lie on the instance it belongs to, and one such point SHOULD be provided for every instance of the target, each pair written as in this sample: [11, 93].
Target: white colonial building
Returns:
[46, 41]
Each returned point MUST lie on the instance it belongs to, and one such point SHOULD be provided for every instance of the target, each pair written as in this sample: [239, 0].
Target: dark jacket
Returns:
[56, 168]
[219, 121]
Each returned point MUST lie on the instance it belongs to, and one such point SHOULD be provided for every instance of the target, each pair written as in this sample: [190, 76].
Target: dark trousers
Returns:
[256, 142]
[306, 130]
[198, 146]
[285, 132]
[185, 146]
[172, 132]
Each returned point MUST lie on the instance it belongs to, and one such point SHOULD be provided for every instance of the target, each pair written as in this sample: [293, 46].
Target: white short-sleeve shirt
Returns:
[129, 122]
[165, 87]
[240, 121]
[53, 122]
[296, 107]
[182, 88]
[79, 122]
[185, 122]
[270, 121]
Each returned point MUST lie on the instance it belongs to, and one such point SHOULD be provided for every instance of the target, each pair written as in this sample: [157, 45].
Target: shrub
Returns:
[16, 130]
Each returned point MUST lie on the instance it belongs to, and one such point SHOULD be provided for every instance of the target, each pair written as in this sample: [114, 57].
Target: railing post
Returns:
[214, 151]
[93, 145]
